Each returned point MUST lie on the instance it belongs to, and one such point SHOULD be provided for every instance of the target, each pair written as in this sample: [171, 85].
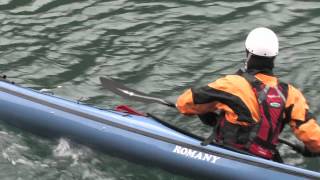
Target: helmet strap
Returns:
[254, 63]
[247, 60]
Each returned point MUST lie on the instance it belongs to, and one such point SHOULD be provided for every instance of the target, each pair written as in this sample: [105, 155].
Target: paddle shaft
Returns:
[132, 94]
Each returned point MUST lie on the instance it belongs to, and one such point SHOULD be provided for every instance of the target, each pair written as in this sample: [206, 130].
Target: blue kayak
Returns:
[136, 138]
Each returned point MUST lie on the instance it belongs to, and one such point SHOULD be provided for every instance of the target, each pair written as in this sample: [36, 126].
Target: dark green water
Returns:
[160, 47]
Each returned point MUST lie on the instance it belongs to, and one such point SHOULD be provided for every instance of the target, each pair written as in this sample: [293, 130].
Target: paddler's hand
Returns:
[209, 119]
[302, 149]
[308, 153]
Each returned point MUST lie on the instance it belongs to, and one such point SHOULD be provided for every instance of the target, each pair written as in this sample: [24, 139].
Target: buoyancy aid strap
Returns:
[262, 94]
[251, 79]
[281, 94]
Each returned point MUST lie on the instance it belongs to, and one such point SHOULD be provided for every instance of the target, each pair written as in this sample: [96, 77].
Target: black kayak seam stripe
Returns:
[150, 135]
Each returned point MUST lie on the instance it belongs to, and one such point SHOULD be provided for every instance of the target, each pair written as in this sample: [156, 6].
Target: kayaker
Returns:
[254, 105]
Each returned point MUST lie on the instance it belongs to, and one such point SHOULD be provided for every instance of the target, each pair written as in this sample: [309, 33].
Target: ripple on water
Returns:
[160, 47]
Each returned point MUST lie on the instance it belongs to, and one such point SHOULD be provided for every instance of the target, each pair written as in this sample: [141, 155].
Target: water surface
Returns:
[160, 47]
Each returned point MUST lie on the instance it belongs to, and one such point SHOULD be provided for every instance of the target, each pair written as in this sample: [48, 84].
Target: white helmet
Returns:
[262, 42]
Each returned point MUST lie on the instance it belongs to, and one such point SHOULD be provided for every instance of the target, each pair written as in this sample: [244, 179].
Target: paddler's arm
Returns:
[201, 100]
[205, 99]
[223, 95]
[230, 95]
[186, 105]
[302, 122]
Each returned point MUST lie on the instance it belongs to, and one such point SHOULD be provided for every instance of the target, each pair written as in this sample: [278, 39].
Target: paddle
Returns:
[126, 92]
[300, 148]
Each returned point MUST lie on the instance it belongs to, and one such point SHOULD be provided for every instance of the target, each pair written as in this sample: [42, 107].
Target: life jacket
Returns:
[260, 138]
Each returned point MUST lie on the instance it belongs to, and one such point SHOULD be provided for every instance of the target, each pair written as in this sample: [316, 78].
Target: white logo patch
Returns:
[195, 154]
[275, 104]
[274, 96]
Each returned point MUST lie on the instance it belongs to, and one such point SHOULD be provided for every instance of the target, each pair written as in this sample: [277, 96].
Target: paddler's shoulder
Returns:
[229, 80]
[295, 93]
[267, 79]
[238, 80]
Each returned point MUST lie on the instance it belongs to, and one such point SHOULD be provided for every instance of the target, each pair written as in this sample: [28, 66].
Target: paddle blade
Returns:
[128, 93]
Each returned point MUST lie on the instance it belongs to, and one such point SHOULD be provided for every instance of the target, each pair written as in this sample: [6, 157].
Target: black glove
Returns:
[302, 149]
[308, 153]
[209, 119]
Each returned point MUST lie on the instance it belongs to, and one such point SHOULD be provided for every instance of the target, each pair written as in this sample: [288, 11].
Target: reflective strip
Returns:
[281, 94]
[263, 94]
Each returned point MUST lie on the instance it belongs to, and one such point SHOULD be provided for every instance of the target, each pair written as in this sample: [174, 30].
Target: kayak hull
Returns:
[136, 138]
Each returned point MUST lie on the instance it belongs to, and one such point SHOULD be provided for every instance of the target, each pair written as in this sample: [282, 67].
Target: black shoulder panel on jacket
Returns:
[207, 94]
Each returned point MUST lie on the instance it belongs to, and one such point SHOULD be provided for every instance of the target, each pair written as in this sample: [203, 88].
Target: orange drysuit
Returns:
[234, 96]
